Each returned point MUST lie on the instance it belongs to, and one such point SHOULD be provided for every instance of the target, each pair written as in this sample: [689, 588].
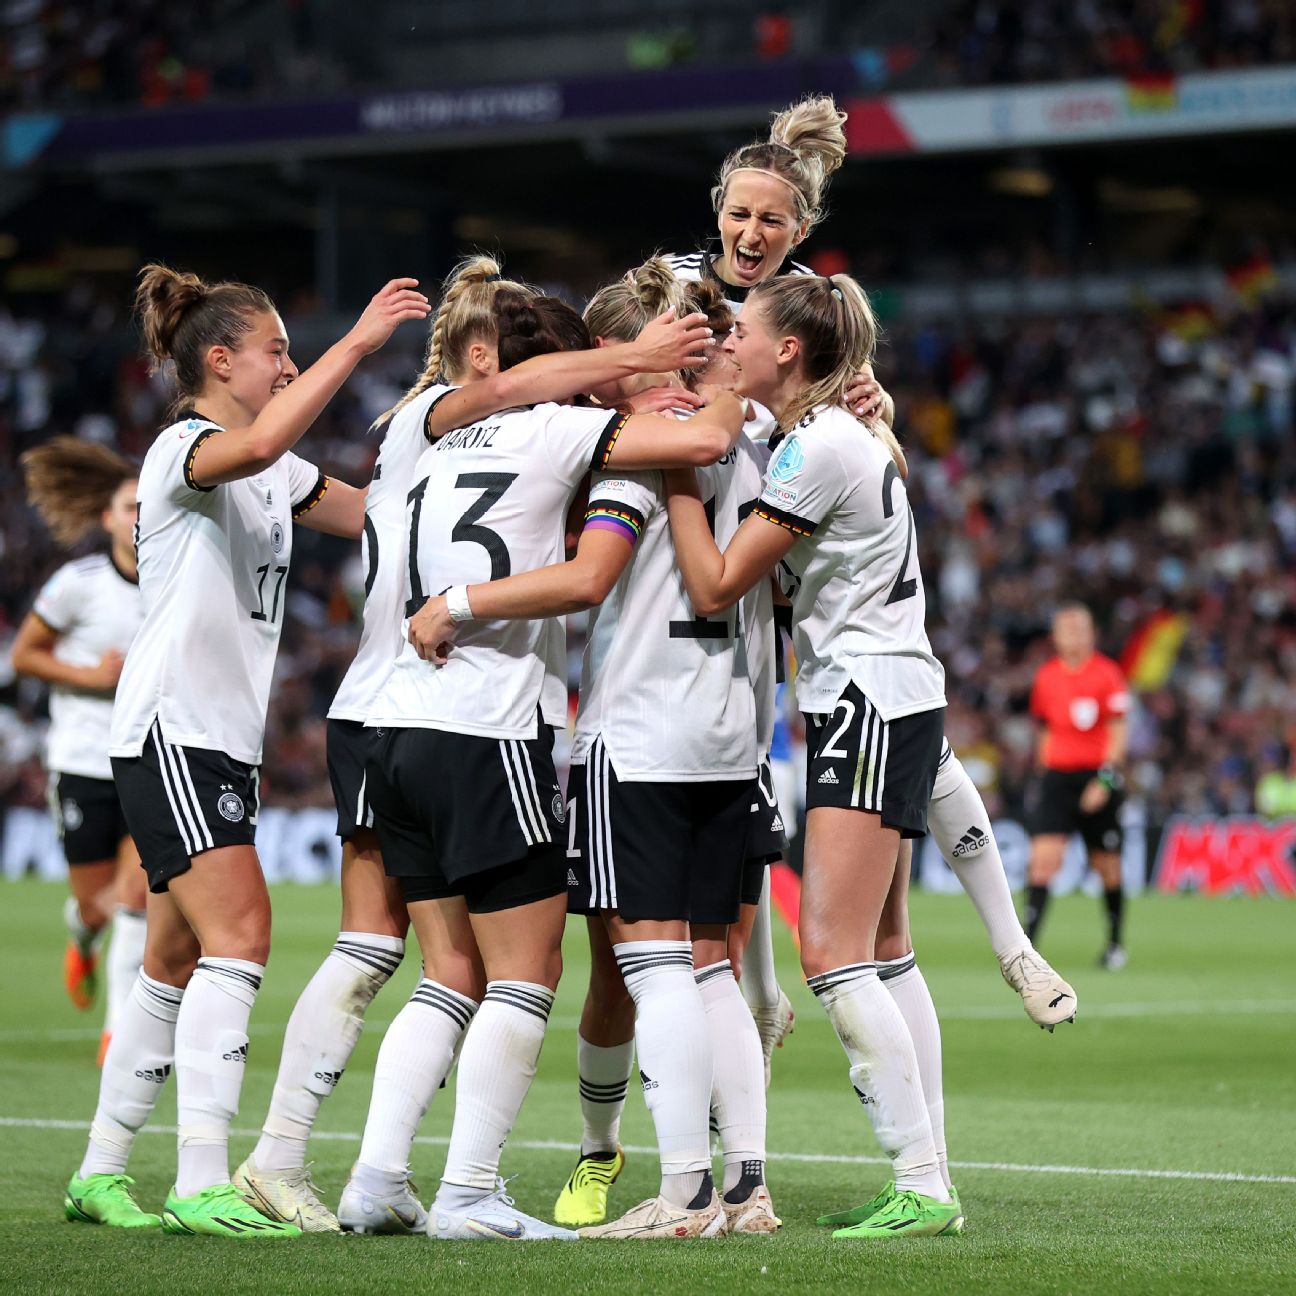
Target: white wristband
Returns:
[457, 604]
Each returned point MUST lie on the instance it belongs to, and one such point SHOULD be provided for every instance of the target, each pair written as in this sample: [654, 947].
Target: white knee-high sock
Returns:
[417, 1053]
[321, 1036]
[883, 1071]
[673, 1043]
[125, 954]
[959, 822]
[496, 1066]
[760, 985]
[604, 1077]
[908, 987]
[138, 1061]
[211, 1059]
[738, 1086]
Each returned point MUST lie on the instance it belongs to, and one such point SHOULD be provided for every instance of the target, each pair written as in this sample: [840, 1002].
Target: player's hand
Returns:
[667, 343]
[432, 632]
[864, 395]
[1095, 796]
[662, 400]
[393, 304]
[104, 675]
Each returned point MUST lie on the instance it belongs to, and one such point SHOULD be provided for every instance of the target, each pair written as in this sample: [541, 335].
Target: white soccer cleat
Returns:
[755, 1215]
[658, 1218]
[1048, 999]
[773, 1025]
[361, 1211]
[285, 1195]
[494, 1218]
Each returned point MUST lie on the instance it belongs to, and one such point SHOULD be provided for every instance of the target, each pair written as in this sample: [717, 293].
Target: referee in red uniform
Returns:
[1080, 699]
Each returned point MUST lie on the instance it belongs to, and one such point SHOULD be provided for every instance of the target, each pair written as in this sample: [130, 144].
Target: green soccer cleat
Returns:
[908, 1214]
[583, 1199]
[858, 1214]
[106, 1199]
[219, 1211]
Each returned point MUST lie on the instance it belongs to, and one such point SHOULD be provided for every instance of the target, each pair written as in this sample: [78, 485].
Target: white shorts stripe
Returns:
[882, 762]
[204, 833]
[531, 790]
[182, 822]
[528, 832]
[360, 812]
[256, 795]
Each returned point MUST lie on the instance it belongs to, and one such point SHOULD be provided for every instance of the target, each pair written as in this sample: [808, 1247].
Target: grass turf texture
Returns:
[1181, 1062]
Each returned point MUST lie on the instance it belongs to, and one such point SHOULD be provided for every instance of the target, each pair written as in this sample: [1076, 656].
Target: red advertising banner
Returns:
[1230, 856]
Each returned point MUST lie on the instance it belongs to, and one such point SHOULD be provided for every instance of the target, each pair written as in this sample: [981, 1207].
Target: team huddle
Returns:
[702, 455]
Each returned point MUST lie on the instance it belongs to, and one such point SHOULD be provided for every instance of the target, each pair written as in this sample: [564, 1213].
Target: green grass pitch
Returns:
[1179, 1073]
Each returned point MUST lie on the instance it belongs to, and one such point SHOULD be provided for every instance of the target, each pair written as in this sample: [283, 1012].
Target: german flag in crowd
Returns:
[1152, 650]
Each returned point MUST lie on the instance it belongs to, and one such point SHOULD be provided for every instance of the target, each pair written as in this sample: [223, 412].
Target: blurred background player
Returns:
[75, 639]
[1081, 701]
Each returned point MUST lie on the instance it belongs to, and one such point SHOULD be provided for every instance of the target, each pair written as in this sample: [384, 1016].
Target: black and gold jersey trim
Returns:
[189, 459]
[607, 442]
[317, 493]
[427, 418]
[781, 517]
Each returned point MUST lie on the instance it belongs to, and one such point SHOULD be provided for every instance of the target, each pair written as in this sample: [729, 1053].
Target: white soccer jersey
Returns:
[94, 609]
[385, 549]
[212, 566]
[858, 606]
[690, 267]
[488, 500]
[668, 691]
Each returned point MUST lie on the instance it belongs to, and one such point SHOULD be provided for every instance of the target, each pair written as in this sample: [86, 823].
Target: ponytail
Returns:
[70, 482]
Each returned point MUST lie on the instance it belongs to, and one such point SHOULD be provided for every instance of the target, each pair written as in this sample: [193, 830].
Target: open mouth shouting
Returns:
[748, 260]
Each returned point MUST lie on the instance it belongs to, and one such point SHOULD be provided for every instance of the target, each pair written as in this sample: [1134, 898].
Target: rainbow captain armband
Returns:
[625, 521]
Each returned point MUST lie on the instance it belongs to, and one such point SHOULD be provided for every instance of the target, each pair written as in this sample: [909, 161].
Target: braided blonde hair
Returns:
[806, 145]
[465, 314]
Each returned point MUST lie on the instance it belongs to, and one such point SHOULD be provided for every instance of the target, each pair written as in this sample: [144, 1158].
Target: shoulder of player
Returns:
[1110, 667]
[688, 266]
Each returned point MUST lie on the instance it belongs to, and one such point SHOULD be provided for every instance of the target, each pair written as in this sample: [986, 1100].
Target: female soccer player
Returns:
[768, 197]
[661, 803]
[326, 1022]
[217, 493]
[75, 638]
[486, 834]
[834, 511]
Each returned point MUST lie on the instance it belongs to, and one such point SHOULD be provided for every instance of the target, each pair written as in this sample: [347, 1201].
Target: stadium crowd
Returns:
[1143, 464]
[60, 56]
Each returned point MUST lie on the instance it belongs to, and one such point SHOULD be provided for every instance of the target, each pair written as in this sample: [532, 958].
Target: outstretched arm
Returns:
[665, 345]
[575, 586]
[241, 452]
[714, 580]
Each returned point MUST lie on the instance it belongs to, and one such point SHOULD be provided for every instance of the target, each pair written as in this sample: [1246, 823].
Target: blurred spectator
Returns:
[1275, 794]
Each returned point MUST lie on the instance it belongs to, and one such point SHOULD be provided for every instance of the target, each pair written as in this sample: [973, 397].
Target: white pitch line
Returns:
[810, 1158]
[974, 1012]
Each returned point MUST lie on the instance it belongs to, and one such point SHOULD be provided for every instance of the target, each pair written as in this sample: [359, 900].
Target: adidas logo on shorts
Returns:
[777, 825]
[572, 879]
[972, 840]
[646, 1082]
[829, 776]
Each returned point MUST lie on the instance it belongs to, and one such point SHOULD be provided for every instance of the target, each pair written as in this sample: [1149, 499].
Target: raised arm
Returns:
[665, 345]
[714, 580]
[659, 441]
[575, 586]
[242, 452]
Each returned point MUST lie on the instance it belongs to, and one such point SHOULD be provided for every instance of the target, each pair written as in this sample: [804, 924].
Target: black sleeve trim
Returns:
[189, 458]
[318, 491]
[427, 418]
[780, 517]
[607, 441]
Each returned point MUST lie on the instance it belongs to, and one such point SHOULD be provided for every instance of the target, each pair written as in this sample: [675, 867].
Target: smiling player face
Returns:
[758, 228]
[752, 351]
[261, 367]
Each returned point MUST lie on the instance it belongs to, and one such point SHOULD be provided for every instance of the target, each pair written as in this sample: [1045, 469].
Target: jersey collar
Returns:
[130, 580]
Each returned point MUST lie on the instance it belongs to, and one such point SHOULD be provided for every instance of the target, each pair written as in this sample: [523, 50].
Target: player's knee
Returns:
[892, 946]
